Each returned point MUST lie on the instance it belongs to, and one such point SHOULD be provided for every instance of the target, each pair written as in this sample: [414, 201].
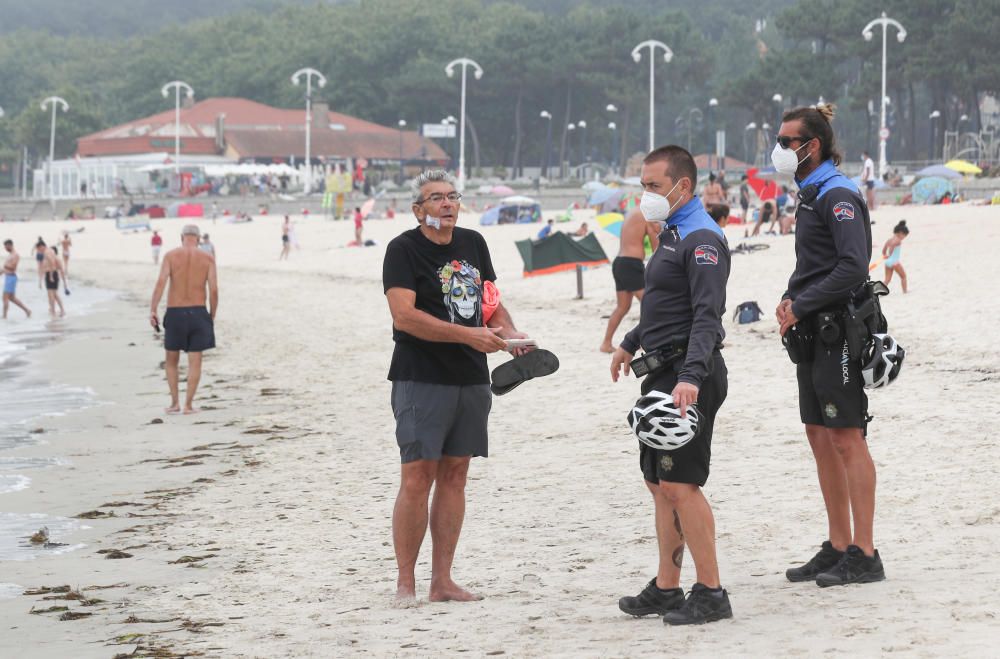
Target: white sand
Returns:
[559, 524]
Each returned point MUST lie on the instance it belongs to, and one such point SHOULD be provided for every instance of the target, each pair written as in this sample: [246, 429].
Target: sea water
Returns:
[26, 399]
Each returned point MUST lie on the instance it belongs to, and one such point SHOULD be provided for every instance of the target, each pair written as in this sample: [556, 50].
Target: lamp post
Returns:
[450, 121]
[545, 114]
[402, 124]
[321, 81]
[55, 102]
[746, 151]
[712, 104]
[690, 123]
[569, 156]
[883, 133]
[177, 86]
[779, 100]
[613, 127]
[465, 63]
[584, 158]
[668, 55]
[934, 116]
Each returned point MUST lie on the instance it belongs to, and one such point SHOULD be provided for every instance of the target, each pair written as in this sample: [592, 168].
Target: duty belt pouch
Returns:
[830, 329]
[655, 360]
[800, 343]
[865, 318]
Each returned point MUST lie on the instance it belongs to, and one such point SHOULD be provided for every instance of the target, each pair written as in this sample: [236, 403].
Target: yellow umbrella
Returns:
[963, 167]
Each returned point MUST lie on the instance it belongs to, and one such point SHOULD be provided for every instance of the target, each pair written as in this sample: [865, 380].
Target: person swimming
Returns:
[892, 251]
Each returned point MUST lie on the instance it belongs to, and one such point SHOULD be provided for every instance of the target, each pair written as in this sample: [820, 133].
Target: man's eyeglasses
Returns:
[786, 140]
[438, 197]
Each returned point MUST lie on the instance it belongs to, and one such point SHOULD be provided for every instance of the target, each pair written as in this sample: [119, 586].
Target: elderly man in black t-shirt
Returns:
[433, 277]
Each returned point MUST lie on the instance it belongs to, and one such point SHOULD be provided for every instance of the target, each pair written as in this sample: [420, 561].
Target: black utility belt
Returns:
[654, 360]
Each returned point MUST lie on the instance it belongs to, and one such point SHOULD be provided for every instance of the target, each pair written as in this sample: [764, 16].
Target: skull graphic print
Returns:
[462, 289]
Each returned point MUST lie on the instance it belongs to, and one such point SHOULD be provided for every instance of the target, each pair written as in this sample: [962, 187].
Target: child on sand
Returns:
[892, 251]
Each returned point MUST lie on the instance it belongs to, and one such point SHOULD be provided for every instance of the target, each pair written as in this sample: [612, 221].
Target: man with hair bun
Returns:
[833, 246]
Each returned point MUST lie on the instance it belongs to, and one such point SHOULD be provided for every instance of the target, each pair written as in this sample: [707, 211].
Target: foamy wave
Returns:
[13, 483]
[10, 590]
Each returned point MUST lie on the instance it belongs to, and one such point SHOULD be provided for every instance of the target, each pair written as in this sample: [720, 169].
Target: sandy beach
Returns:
[261, 526]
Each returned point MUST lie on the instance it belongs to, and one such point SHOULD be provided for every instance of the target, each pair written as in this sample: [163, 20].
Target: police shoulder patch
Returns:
[844, 210]
[706, 255]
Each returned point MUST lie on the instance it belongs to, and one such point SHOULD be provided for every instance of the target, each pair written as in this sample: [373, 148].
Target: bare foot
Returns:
[190, 410]
[405, 594]
[451, 592]
[607, 347]
[173, 409]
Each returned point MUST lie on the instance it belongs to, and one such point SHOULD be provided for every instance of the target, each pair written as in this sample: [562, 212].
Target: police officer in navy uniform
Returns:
[832, 249]
[681, 313]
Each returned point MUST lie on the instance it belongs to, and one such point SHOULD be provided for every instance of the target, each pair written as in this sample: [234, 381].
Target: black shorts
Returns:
[189, 329]
[284, 239]
[629, 273]
[870, 185]
[52, 281]
[689, 463]
[831, 392]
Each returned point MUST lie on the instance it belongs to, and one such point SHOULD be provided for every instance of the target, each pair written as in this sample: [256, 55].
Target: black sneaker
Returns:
[702, 605]
[652, 600]
[854, 567]
[826, 558]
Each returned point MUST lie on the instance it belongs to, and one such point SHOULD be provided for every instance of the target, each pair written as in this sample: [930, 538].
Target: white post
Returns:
[668, 55]
[884, 21]
[321, 80]
[55, 102]
[465, 62]
[177, 86]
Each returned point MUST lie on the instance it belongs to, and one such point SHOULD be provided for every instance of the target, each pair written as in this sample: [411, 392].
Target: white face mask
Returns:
[654, 207]
[786, 161]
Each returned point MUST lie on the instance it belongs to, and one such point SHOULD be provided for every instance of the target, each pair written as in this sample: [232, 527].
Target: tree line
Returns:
[385, 61]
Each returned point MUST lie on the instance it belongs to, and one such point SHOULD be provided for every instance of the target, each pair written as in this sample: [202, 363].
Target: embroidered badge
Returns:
[667, 463]
[830, 410]
[843, 211]
[706, 255]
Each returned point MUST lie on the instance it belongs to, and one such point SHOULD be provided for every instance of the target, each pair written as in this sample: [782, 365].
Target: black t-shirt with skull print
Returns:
[448, 280]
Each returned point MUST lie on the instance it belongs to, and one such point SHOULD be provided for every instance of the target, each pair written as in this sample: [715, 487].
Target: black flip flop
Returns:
[534, 364]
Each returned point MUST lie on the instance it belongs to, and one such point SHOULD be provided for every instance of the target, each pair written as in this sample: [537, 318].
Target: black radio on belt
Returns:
[654, 360]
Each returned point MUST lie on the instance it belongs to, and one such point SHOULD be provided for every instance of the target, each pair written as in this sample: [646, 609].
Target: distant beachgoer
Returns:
[868, 179]
[66, 245]
[628, 270]
[358, 226]
[546, 230]
[52, 267]
[215, 212]
[207, 246]
[712, 194]
[745, 198]
[719, 213]
[188, 324]
[40, 248]
[285, 239]
[10, 279]
[157, 244]
[582, 231]
[893, 251]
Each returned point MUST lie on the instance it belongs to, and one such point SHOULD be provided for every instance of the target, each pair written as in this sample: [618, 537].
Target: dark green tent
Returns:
[559, 252]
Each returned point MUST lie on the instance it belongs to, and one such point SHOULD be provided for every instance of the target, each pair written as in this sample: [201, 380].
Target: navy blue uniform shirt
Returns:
[833, 243]
[685, 293]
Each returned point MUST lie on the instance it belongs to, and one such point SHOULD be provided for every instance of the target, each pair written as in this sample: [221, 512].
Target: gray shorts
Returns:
[440, 419]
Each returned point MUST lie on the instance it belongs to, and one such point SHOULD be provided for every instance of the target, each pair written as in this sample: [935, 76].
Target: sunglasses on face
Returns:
[785, 141]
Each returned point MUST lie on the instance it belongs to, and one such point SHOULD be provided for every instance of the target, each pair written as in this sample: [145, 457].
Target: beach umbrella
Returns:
[929, 190]
[938, 170]
[502, 190]
[963, 167]
[591, 186]
[518, 200]
[605, 197]
[490, 217]
[611, 222]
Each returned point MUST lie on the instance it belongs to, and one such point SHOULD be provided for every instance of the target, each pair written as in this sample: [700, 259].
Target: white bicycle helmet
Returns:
[657, 422]
[882, 361]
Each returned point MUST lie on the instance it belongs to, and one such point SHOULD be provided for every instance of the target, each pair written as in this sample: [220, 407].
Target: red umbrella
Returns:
[765, 189]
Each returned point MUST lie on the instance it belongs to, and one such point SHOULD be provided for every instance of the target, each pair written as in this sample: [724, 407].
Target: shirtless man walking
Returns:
[51, 269]
[10, 279]
[188, 324]
[629, 271]
[66, 243]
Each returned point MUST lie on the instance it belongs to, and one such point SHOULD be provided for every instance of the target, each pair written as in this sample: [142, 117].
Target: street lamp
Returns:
[465, 63]
[611, 107]
[779, 100]
[582, 125]
[402, 124]
[177, 85]
[309, 74]
[545, 114]
[1, 112]
[746, 151]
[612, 126]
[934, 116]
[450, 121]
[55, 102]
[883, 133]
[668, 55]
[690, 123]
[569, 156]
